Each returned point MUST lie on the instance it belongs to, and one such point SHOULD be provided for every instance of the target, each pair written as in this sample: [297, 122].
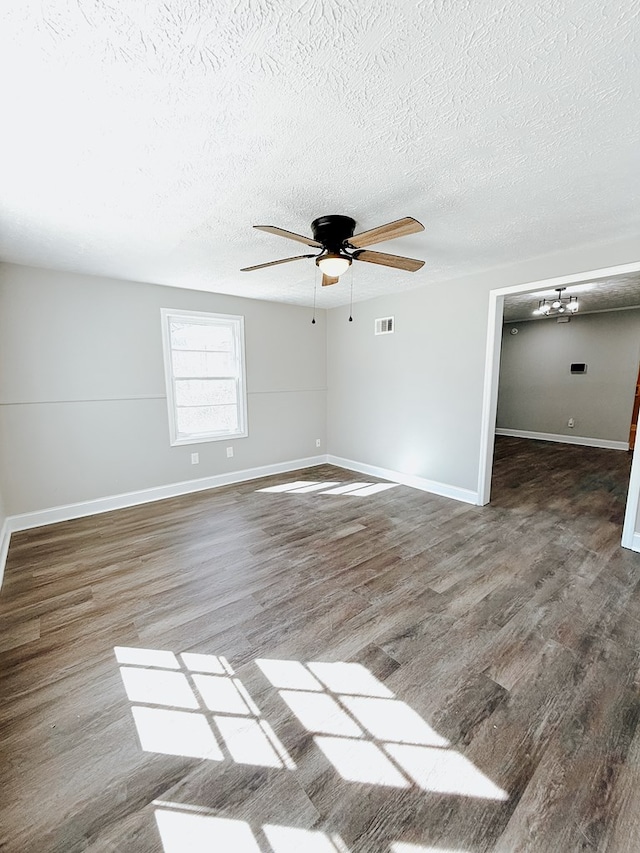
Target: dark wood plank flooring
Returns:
[456, 678]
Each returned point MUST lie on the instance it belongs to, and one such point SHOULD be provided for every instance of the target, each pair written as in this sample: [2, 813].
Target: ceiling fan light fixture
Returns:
[333, 264]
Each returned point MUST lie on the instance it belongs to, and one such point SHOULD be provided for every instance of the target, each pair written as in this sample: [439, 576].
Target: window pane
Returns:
[204, 367]
[203, 363]
[205, 392]
[204, 419]
[201, 336]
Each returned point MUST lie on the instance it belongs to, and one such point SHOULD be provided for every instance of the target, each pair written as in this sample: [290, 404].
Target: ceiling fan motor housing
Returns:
[333, 231]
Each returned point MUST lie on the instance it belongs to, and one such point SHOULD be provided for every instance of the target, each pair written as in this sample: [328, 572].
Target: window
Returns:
[204, 366]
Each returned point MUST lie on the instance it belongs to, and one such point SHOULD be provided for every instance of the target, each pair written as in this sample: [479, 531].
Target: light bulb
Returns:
[556, 304]
[561, 309]
[573, 305]
[333, 265]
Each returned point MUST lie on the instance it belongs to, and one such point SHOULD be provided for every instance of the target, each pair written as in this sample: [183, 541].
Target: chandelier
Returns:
[560, 305]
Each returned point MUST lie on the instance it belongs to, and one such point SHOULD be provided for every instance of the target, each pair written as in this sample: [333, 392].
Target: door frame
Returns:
[492, 376]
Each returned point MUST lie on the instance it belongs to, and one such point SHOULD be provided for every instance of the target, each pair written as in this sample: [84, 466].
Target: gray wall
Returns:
[83, 410]
[82, 398]
[402, 401]
[412, 401]
[537, 391]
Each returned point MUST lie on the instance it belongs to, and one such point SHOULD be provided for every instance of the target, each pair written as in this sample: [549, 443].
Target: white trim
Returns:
[492, 372]
[565, 439]
[629, 535]
[27, 520]
[435, 488]
[5, 539]
[490, 398]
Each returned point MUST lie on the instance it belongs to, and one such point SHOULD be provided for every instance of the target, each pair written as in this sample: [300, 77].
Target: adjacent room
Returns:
[319, 352]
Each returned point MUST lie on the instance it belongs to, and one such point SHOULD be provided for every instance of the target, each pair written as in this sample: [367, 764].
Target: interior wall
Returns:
[396, 401]
[412, 401]
[83, 410]
[537, 391]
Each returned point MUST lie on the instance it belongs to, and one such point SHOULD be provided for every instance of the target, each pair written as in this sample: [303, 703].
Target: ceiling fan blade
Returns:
[399, 228]
[329, 279]
[397, 261]
[273, 263]
[280, 232]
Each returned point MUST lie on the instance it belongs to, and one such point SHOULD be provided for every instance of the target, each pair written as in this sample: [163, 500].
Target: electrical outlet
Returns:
[195, 458]
[229, 452]
[317, 442]
[571, 422]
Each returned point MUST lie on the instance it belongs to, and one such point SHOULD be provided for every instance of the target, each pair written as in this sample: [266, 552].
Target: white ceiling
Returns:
[142, 140]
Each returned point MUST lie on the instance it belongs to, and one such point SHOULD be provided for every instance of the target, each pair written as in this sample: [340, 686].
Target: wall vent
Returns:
[384, 326]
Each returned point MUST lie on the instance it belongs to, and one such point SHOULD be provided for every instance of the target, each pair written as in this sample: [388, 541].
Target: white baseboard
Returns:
[635, 542]
[5, 538]
[53, 515]
[565, 439]
[435, 488]
[28, 520]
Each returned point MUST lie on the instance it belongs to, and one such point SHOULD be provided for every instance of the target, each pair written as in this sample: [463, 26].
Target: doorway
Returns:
[490, 395]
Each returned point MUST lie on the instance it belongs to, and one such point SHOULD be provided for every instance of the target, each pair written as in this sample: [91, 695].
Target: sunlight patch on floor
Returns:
[247, 742]
[321, 713]
[175, 733]
[444, 771]
[206, 712]
[363, 731]
[193, 829]
[361, 761]
[301, 487]
[204, 833]
[158, 687]
[203, 663]
[146, 657]
[314, 487]
[195, 832]
[352, 678]
[288, 674]
[220, 694]
[372, 489]
[287, 487]
[368, 735]
[348, 487]
[390, 719]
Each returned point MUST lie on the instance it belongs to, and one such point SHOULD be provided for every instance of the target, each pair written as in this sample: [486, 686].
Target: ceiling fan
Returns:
[334, 236]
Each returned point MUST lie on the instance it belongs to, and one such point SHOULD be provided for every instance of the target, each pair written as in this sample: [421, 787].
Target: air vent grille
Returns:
[385, 326]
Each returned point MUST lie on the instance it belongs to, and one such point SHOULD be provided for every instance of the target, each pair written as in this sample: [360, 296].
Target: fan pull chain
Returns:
[315, 287]
[351, 297]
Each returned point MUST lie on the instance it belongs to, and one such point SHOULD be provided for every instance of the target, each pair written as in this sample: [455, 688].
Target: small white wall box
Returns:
[578, 367]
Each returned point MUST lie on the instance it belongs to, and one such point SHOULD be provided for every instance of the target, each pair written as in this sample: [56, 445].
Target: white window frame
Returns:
[236, 323]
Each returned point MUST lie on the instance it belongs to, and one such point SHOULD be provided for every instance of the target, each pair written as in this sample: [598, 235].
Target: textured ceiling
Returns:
[142, 140]
[608, 294]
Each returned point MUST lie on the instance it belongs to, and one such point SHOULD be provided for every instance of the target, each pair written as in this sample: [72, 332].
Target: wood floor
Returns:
[330, 673]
